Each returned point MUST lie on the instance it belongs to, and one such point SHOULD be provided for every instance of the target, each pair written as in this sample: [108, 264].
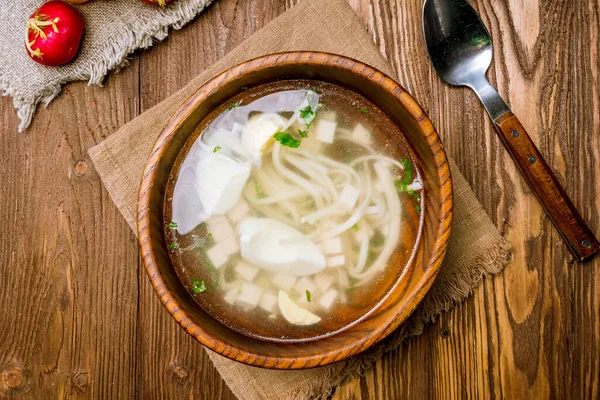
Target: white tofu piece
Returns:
[231, 295]
[326, 131]
[331, 246]
[220, 228]
[336, 261]
[284, 281]
[249, 295]
[217, 256]
[343, 278]
[328, 298]
[329, 116]
[230, 245]
[348, 197]
[361, 134]
[323, 282]
[305, 283]
[239, 211]
[246, 270]
[268, 302]
[373, 210]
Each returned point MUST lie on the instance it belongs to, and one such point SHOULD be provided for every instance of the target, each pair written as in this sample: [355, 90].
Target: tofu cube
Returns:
[231, 295]
[328, 298]
[217, 256]
[373, 210]
[229, 245]
[331, 246]
[249, 295]
[328, 115]
[284, 281]
[343, 278]
[268, 302]
[336, 261]
[246, 270]
[326, 131]
[305, 283]
[348, 197]
[361, 134]
[220, 228]
[239, 211]
[323, 282]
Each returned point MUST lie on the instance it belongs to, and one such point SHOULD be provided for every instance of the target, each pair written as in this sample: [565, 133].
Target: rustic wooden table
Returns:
[78, 316]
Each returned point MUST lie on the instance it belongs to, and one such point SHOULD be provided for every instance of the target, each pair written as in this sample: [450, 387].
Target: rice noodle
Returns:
[309, 187]
[394, 207]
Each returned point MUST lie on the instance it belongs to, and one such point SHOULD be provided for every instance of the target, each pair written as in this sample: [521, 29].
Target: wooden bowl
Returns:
[416, 278]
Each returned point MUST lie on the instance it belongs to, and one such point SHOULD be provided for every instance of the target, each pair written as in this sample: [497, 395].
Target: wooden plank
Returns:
[72, 323]
[68, 276]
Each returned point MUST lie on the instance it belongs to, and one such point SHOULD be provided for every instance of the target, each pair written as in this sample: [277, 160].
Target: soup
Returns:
[293, 210]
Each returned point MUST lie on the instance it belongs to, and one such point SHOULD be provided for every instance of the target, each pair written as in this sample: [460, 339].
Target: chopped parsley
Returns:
[198, 286]
[287, 140]
[364, 110]
[402, 184]
[260, 193]
[217, 148]
[418, 208]
[209, 235]
[172, 225]
[378, 239]
[173, 246]
[302, 133]
[308, 114]
[234, 105]
[308, 296]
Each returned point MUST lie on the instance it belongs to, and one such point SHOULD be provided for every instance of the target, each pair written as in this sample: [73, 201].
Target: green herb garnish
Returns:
[209, 235]
[364, 110]
[172, 225]
[308, 296]
[402, 184]
[307, 112]
[418, 208]
[414, 194]
[287, 140]
[174, 245]
[234, 105]
[198, 286]
[217, 148]
[303, 133]
[260, 193]
[377, 240]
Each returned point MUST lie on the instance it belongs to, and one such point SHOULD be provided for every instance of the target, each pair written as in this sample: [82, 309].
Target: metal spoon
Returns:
[460, 49]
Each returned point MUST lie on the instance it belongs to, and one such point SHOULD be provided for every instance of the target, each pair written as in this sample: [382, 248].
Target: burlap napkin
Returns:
[476, 248]
[113, 29]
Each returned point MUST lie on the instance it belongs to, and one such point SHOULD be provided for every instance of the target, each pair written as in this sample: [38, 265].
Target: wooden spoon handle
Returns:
[548, 190]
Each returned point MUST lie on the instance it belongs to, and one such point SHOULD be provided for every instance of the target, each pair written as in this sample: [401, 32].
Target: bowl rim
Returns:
[325, 356]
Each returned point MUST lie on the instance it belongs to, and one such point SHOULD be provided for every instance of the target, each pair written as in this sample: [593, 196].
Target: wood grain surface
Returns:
[78, 317]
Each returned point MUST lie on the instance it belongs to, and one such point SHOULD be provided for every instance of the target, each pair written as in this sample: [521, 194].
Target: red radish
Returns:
[54, 32]
[161, 3]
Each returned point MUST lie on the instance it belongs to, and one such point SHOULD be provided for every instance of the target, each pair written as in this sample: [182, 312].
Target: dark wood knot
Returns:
[81, 168]
[80, 380]
[13, 378]
[180, 371]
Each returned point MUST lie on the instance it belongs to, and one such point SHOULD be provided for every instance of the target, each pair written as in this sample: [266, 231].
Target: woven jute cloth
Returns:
[476, 249]
[113, 30]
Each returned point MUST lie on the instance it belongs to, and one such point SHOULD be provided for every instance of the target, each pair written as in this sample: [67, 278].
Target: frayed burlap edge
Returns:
[140, 34]
[444, 294]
